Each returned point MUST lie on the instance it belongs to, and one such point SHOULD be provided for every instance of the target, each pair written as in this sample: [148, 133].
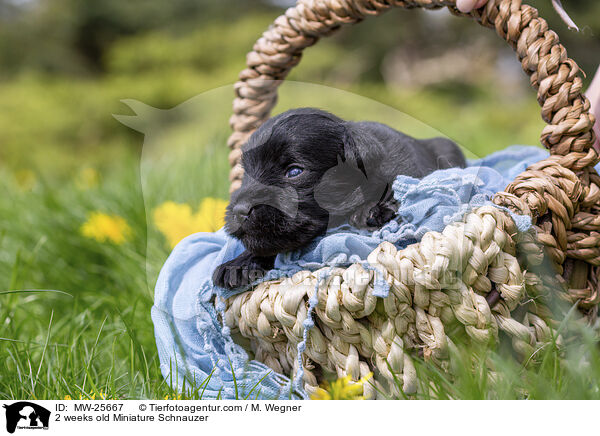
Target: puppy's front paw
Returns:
[380, 214]
[220, 276]
[242, 271]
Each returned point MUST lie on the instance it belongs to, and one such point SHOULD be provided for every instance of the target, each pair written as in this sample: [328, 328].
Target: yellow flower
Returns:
[87, 178]
[211, 214]
[342, 389]
[103, 227]
[176, 221]
[67, 397]
[173, 397]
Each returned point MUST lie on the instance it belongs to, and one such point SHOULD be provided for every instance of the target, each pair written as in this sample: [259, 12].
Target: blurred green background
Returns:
[65, 66]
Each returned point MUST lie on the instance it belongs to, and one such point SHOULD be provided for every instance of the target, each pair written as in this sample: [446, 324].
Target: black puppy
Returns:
[307, 170]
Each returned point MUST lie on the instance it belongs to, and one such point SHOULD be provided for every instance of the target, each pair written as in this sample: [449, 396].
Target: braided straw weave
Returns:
[472, 276]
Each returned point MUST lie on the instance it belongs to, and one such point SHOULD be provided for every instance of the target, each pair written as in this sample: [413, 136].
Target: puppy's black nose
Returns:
[241, 211]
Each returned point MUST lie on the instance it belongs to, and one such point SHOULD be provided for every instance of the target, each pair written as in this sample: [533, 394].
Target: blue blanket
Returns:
[195, 350]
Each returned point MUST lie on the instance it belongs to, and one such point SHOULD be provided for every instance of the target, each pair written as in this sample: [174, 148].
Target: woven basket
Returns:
[474, 274]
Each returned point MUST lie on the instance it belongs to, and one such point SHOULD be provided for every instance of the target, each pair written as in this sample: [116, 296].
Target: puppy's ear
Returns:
[340, 189]
[365, 148]
[352, 152]
[354, 183]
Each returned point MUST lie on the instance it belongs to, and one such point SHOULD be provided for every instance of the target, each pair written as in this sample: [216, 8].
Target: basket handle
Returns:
[555, 77]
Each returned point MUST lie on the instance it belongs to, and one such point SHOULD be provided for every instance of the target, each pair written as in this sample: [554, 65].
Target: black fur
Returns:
[348, 168]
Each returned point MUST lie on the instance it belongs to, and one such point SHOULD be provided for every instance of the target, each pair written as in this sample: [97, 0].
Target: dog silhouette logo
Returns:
[26, 415]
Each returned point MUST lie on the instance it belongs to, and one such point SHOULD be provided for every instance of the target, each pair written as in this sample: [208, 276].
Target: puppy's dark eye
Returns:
[293, 172]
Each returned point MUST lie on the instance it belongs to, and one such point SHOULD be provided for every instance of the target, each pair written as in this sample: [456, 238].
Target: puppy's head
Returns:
[285, 161]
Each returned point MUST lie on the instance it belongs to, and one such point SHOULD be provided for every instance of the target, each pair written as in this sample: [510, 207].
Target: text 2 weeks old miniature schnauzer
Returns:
[306, 171]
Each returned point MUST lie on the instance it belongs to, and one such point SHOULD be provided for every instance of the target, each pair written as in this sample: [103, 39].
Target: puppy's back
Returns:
[448, 154]
[402, 154]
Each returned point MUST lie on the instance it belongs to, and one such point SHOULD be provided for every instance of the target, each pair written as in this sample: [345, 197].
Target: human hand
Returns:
[467, 6]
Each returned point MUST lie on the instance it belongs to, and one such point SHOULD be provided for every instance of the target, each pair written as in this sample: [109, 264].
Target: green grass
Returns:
[560, 370]
[89, 330]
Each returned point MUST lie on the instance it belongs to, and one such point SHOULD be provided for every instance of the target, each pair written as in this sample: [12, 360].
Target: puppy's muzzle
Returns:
[241, 211]
[253, 193]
